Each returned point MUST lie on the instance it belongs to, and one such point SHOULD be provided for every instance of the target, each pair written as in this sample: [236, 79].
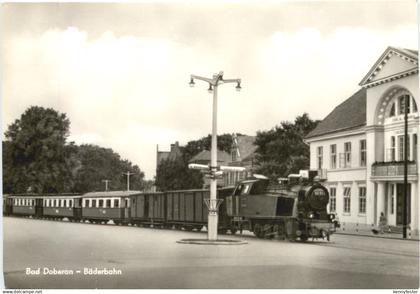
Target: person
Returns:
[382, 223]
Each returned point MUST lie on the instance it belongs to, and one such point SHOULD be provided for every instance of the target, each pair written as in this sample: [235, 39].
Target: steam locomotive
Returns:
[295, 209]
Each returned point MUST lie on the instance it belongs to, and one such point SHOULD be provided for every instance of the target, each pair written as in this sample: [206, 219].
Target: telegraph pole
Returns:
[106, 184]
[128, 174]
[213, 204]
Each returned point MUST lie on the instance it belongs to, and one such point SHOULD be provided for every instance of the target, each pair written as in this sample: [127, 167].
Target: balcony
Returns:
[393, 169]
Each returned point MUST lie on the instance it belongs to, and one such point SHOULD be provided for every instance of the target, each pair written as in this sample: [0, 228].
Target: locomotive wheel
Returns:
[258, 231]
[222, 231]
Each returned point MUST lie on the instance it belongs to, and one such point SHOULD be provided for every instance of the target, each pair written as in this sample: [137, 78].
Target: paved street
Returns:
[151, 258]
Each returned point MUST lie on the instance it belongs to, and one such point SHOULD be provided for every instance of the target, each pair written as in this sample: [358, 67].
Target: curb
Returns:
[375, 236]
[211, 242]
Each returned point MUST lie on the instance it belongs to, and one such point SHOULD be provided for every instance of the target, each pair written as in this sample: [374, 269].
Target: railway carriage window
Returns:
[93, 202]
[71, 203]
[116, 203]
[101, 203]
[108, 203]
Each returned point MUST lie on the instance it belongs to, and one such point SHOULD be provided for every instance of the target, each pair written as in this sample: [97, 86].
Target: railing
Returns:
[393, 168]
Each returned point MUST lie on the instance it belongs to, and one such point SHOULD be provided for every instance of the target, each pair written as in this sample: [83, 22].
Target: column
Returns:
[370, 202]
[380, 201]
[414, 225]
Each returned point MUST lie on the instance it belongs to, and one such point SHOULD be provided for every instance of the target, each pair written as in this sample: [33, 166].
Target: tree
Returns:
[96, 164]
[174, 173]
[281, 150]
[36, 158]
[36, 152]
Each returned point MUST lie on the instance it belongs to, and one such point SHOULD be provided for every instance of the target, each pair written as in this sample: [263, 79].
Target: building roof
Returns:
[205, 156]
[348, 115]
[411, 56]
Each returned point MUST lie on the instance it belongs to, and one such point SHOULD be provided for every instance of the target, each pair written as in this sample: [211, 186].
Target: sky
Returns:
[120, 71]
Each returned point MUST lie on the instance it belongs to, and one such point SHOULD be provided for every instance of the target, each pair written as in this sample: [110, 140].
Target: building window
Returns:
[345, 158]
[320, 157]
[362, 199]
[392, 198]
[333, 193]
[347, 195]
[414, 146]
[333, 155]
[362, 152]
[392, 111]
[392, 149]
[401, 147]
[401, 102]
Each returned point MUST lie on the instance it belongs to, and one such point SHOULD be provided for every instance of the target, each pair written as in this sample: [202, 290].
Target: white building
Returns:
[359, 146]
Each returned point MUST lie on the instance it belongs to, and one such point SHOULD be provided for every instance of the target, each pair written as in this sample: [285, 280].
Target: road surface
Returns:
[151, 258]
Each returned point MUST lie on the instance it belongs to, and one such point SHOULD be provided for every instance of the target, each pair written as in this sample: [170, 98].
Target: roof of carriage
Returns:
[111, 194]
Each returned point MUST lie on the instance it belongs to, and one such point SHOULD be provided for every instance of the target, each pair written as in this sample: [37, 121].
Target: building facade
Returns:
[359, 146]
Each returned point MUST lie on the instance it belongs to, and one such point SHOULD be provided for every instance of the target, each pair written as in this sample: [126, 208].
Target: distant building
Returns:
[359, 146]
[241, 154]
[172, 154]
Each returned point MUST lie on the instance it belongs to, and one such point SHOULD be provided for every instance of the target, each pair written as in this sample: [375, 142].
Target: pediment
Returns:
[393, 63]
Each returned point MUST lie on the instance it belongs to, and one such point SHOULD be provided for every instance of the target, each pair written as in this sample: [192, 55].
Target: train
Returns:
[294, 208]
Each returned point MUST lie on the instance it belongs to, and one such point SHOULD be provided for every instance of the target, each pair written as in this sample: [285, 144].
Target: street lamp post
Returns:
[405, 198]
[213, 203]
